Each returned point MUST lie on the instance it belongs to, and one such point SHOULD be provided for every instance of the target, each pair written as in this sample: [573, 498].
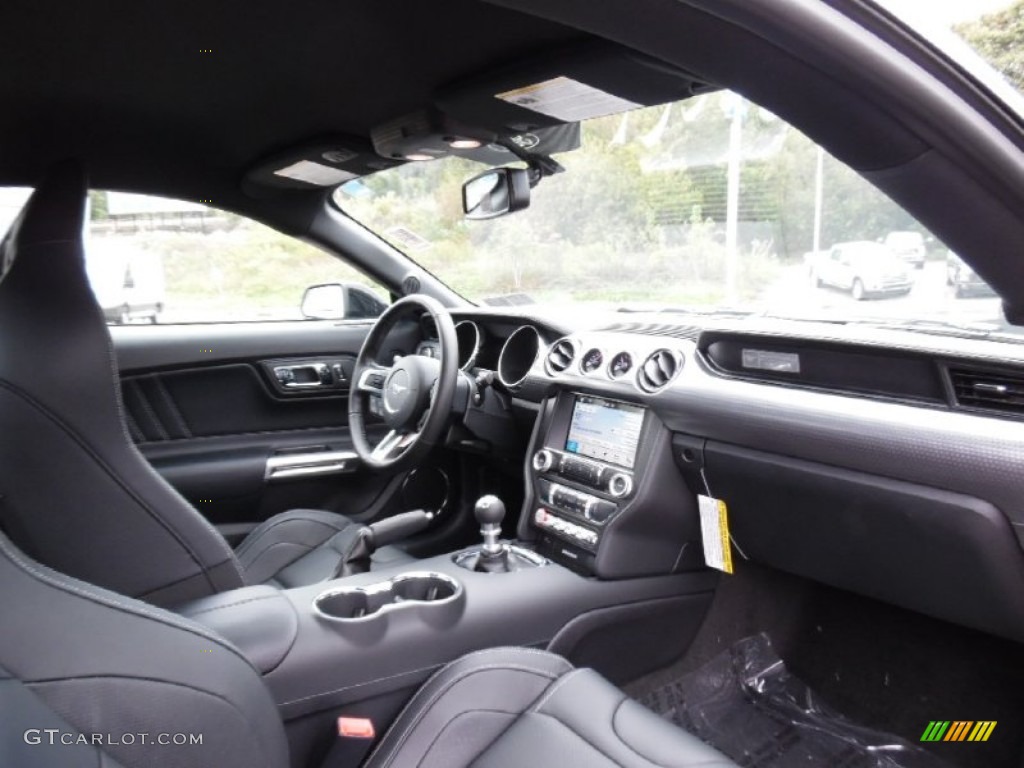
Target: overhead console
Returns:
[566, 86]
[603, 495]
[528, 109]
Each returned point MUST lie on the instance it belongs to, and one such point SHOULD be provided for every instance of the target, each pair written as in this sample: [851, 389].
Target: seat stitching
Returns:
[115, 376]
[438, 669]
[594, 747]
[176, 582]
[112, 599]
[568, 727]
[407, 731]
[80, 441]
[408, 673]
[553, 690]
[446, 726]
[628, 746]
[191, 614]
[305, 551]
[32, 684]
[248, 544]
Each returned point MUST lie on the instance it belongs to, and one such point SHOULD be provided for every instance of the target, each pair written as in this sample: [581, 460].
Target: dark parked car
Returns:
[964, 280]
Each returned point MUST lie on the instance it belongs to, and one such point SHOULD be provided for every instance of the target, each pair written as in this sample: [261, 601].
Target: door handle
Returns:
[303, 376]
[298, 465]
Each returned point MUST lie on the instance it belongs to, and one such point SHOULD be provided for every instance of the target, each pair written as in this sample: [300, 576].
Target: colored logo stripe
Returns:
[982, 730]
[958, 730]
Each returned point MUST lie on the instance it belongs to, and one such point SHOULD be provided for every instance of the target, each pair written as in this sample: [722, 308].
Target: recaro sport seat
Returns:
[74, 491]
[84, 662]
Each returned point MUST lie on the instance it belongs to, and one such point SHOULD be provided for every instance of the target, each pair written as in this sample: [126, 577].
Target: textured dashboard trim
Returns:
[955, 451]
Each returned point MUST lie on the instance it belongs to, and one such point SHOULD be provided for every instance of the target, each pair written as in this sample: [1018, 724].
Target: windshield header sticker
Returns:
[315, 173]
[566, 99]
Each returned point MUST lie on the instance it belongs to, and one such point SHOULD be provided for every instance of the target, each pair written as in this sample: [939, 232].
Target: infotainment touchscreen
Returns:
[605, 430]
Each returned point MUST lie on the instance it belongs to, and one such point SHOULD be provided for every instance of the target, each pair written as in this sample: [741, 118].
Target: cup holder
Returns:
[366, 603]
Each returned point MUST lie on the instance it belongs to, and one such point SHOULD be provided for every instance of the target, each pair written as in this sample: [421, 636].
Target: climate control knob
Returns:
[620, 485]
[543, 460]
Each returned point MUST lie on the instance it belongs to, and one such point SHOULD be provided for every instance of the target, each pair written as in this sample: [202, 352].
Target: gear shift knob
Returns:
[489, 512]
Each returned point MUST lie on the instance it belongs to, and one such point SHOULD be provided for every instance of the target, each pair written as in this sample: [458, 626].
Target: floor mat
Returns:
[747, 704]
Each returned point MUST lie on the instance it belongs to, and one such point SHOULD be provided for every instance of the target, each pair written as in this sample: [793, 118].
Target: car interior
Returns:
[430, 530]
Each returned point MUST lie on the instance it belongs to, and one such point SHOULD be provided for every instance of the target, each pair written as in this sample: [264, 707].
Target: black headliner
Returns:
[125, 87]
[125, 84]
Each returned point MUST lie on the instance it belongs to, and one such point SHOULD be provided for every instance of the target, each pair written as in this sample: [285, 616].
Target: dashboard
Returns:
[837, 451]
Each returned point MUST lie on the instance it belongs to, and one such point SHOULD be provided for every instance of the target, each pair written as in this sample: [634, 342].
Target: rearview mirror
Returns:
[496, 192]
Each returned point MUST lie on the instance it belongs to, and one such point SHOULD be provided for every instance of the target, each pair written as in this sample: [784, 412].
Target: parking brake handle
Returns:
[398, 527]
[358, 542]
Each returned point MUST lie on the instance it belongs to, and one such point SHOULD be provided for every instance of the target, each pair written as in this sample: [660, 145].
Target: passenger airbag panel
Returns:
[945, 554]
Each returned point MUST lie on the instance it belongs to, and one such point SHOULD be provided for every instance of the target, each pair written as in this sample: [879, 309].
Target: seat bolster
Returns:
[585, 720]
[107, 664]
[301, 547]
[282, 539]
[465, 706]
[27, 727]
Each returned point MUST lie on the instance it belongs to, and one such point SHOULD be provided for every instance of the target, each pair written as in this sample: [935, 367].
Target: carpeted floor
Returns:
[880, 666]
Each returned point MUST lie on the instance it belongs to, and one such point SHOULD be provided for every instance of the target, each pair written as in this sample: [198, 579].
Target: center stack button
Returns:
[543, 460]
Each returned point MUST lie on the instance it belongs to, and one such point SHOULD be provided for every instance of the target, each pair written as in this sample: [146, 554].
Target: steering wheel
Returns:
[415, 392]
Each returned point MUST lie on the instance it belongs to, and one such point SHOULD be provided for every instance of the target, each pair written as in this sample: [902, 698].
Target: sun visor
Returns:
[589, 81]
[316, 164]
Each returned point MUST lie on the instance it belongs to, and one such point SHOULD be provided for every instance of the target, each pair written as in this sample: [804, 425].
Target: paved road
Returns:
[930, 299]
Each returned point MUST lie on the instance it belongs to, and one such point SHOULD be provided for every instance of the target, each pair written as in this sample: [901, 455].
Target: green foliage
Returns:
[246, 272]
[639, 213]
[999, 38]
[98, 204]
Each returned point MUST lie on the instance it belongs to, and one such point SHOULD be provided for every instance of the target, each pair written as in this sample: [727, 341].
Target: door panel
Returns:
[207, 406]
[223, 400]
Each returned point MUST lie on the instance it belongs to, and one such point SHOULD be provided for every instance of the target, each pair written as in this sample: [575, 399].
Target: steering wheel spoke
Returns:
[413, 396]
[394, 444]
[372, 378]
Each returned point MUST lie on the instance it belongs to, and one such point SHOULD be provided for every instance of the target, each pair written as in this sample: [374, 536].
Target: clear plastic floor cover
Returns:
[747, 704]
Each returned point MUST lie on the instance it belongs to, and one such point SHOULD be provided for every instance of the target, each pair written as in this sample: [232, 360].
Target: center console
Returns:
[353, 640]
[604, 496]
[607, 570]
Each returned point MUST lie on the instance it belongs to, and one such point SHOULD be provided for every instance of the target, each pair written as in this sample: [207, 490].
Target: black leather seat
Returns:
[74, 491]
[79, 662]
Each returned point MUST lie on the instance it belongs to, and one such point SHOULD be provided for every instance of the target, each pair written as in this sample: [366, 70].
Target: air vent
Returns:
[988, 390]
[658, 370]
[561, 356]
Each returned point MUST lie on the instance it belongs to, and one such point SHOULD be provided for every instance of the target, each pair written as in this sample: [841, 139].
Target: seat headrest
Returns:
[54, 213]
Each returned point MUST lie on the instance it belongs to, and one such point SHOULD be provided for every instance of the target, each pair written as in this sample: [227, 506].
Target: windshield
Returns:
[708, 204]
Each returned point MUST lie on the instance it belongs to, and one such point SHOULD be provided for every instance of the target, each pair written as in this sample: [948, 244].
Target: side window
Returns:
[156, 260]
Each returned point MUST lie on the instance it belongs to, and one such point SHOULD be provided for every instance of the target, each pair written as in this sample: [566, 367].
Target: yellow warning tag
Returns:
[714, 529]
